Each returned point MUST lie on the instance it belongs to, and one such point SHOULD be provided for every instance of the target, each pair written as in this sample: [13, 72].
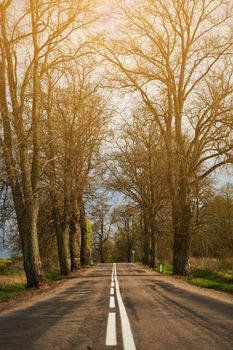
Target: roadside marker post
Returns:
[133, 252]
[161, 267]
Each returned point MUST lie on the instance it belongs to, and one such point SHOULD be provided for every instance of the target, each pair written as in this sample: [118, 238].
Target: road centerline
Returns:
[112, 302]
[111, 339]
[127, 335]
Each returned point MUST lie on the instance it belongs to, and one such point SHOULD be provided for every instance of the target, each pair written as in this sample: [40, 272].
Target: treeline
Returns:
[119, 235]
[53, 121]
[175, 59]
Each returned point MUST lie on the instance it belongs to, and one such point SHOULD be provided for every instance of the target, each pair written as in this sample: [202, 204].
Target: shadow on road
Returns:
[21, 329]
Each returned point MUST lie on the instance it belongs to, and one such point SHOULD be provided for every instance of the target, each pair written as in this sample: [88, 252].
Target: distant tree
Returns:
[126, 220]
[137, 169]
[101, 226]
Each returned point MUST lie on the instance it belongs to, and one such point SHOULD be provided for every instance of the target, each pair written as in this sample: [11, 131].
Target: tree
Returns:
[101, 227]
[126, 220]
[75, 123]
[30, 44]
[214, 234]
[176, 58]
[137, 169]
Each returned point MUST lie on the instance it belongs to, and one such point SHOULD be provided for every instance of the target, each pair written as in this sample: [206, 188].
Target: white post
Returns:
[133, 252]
[161, 267]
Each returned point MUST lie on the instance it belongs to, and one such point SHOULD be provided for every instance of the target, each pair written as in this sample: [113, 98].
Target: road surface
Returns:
[88, 312]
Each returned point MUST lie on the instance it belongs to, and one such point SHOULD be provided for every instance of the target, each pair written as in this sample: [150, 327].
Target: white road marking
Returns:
[112, 302]
[112, 284]
[127, 334]
[111, 339]
[112, 291]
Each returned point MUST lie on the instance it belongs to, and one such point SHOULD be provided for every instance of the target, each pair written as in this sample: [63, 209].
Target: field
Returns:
[13, 280]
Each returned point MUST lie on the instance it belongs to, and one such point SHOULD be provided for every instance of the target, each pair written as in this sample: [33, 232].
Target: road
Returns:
[86, 312]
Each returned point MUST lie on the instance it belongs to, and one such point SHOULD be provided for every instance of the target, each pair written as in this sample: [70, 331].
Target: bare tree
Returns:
[76, 121]
[138, 170]
[176, 57]
[102, 226]
[125, 217]
[30, 43]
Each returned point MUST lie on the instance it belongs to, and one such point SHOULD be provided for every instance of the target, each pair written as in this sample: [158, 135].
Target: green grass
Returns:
[221, 280]
[167, 269]
[9, 267]
[8, 291]
[5, 261]
[13, 281]
[51, 276]
[209, 279]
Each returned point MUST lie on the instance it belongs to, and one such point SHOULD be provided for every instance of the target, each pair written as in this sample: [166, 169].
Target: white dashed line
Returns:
[111, 339]
[112, 303]
[112, 291]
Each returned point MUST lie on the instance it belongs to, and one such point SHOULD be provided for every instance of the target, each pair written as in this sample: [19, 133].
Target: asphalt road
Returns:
[157, 313]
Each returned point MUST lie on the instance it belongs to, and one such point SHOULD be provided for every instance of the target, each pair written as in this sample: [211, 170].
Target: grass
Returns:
[13, 280]
[51, 276]
[166, 269]
[221, 279]
[10, 290]
[9, 267]
[210, 279]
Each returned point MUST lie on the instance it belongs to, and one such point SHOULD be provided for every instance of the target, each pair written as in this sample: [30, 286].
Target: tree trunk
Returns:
[146, 241]
[154, 239]
[101, 253]
[153, 250]
[74, 244]
[60, 229]
[83, 253]
[28, 231]
[129, 254]
[101, 238]
[182, 229]
[61, 242]
[25, 202]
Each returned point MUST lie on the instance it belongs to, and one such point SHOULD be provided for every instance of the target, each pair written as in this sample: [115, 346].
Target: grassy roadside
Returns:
[221, 280]
[166, 269]
[208, 279]
[13, 281]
